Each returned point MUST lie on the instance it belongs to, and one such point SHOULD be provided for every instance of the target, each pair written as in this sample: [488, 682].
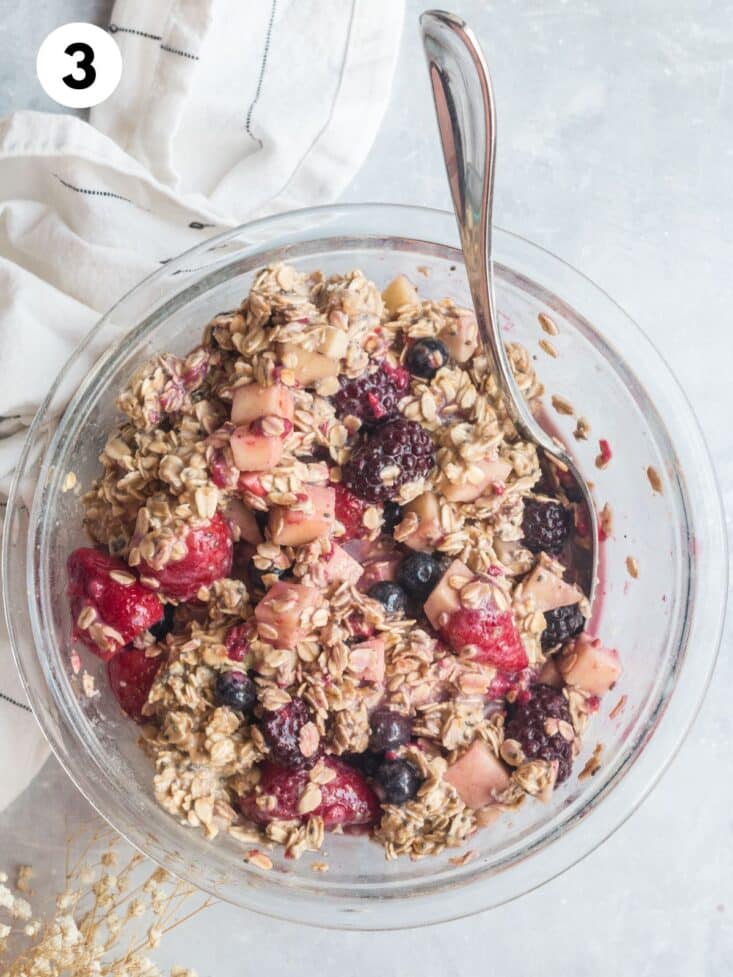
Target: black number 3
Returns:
[85, 63]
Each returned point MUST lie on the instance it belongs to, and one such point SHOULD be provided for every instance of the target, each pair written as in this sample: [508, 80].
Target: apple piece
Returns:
[254, 401]
[366, 660]
[243, 519]
[445, 598]
[341, 567]
[399, 292]
[307, 367]
[478, 775]
[429, 531]
[334, 344]
[549, 590]
[314, 518]
[460, 335]
[255, 452]
[279, 614]
[492, 471]
[589, 665]
[377, 571]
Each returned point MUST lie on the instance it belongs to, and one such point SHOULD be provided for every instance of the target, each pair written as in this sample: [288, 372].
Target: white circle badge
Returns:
[79, 65]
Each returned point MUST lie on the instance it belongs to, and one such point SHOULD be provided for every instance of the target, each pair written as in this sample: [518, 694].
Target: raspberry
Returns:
[546, 526]
[347, 800]
[131, 675]
[350, 513]
[526, 724]
[402, 449]
[492, 632]
[127, 608]
[281, 730]
[209, 558]
[371, 397]
[561, 624]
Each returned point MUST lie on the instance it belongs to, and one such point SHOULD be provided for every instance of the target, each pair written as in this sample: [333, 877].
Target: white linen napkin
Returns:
[226, 111]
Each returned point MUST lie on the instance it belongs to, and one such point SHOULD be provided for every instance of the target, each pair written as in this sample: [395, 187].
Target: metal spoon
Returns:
[464, 105]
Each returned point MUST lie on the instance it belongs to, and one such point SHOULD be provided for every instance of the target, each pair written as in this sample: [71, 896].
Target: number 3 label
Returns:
[79, 65]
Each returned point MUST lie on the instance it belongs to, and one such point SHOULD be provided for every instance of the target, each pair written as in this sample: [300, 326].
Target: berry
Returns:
[390, 595]
[526, 724]
[131, 675]
[419, 573]
[236, 643]
[372, 397]
[236, 690]
[281, 730]
[128, 608]
[165, 625]
[390, 730]
[561, 624]
[397, 781]
[347, 800]
[546, 526]
[426, 357]
[402, 447]
[393, 515]
[365, 763]
[350, 513]
[208, 558]
[490, 631]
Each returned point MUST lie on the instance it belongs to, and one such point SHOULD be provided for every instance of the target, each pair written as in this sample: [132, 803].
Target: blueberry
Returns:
[426, 357]
[165, 625]
[393, 514]
[390, 730]
[390, 595]
[419, 573]
[397, 781]
[236, 690]
[281, 730]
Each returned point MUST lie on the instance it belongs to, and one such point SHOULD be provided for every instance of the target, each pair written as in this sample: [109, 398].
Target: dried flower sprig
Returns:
[107, 919]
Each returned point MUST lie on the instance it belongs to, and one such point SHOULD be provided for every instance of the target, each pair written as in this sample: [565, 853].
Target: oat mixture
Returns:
[330, 580]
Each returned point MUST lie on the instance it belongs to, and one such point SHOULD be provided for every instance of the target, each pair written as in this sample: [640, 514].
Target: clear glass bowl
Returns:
[666, 623]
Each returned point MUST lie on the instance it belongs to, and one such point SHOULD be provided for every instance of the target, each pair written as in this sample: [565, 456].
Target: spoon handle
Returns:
[464, 105]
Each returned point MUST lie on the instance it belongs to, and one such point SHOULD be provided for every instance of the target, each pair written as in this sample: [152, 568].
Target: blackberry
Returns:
[546, 526]
[419, 573]
[366, 763]
[401, 448]
[372, 397]
[390, 730]
[397, 781]
[426, 357]
[561, 624]
[235, 690]
[390, 595]
[393, 515]
[165, 625]
[526, 724]
[281, 730]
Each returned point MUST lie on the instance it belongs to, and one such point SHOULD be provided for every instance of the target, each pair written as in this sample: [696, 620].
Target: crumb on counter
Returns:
[582, 429]
[562, 405]
[654, 480]
[604, 454]
[547, 324]
[619, 707]
[632, 567]
[547, 346]
[593, 765]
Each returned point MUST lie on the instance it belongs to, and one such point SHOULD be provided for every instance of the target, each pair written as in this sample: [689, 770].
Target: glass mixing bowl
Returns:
[666, 623]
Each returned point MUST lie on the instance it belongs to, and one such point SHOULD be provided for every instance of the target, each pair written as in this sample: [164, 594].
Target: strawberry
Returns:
[347, 800]
[209, 558]
[131, 676]
[490, 631]
[237, 643]
[127, 608]
[350, 513]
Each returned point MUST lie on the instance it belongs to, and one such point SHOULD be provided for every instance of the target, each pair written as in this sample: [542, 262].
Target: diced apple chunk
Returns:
[307, 367]
[244, 522]
[478, 776]
[399, 292]
[311, 519]
[254, 401]
[376, 571]
[334, 344]
[445, 598]
[549, 590]
[366, 660]
[468, 490]
[590, 666]
[255, 452]
[280, 614]
[341, 567]
[429, 530]
[460, 336]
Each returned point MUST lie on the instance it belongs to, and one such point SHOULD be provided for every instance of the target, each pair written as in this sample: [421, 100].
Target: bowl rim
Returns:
[349, 212]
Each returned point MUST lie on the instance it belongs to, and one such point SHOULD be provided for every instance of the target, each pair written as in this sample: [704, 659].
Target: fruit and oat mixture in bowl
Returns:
[330, 581]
